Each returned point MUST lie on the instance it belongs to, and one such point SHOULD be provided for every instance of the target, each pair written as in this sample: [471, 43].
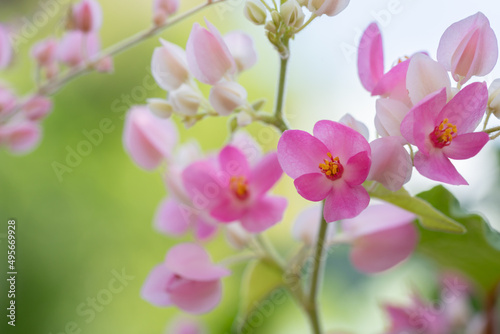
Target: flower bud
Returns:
[37, 107]
[86, 16]
[292, 13]
[185, 100]
[8, 101]
[242, 49]
[271, 27]
[162, 9]
[389, 115]
[160, 107]
[5, 48]
[255, 12]
[20, 137]
[354, 124]
[243, 119]
[76, 47]
[327, 7]
[45, 52]
[237, 236]
[169, 66]
[105, 65]
[226, 96]
[494, 98]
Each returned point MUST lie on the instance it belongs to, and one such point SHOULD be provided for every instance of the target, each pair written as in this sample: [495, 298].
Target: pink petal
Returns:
[87, 16]
[76, 47]
[173, 218]
[37, 107]
[370, 57]
[354, 124]
[203, 185]
[341, 141]
[436, 166]
[345, 202]
[229, 210]
[265, 213]
[21, 138]
[466, 109]
[466, 146]
[6, 51]
[169, 66]
[155, 289]
[393, 83]
[197, 297]
[192, 262]
[147, 138]
[425, 76]
[45, 51]
[422, 118]
[391, 163]
[266, 173]
[300, 153]
[233, 162]
[242, 49]
[357, 168]
[313, 187]
[248, 145]
[383, 250]
[389, 115]
[204, 229]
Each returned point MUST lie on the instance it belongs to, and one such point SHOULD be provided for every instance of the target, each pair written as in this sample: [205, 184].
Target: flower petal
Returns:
[173, 218]
[197, 297]
[229, 210]
[204, 230]
[233, 162]
[154, 289]
[357, 168]
[204, 185]
[313, 187]
[266, 173]
[389, 115]
[393, 83]
[371, 57]
[466, 146]
[265, 213]
[345, 202]
[436, 166]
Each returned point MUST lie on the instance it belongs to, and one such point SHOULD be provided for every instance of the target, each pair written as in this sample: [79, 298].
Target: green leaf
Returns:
[430, 217]
[259, 280]
[476, 253]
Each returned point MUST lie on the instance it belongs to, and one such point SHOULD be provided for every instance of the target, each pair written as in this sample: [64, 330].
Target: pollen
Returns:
[443, 134]
[331, 167]
[239, 186]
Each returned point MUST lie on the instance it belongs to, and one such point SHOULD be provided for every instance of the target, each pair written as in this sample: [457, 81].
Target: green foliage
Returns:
[476, 253]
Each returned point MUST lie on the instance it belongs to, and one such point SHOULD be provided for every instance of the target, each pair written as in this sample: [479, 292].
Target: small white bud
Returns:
[494, 98]
[292, 13]
[255, 12]
[185, 100]
[160, 107]
[327, 7]
[226, 96]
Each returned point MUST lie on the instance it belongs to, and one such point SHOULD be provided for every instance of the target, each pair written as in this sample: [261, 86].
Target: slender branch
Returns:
[313, 16]
[50, 87]
[491, 130]
[312, 306]
[266, 5]
[488, 115]
[278, 112]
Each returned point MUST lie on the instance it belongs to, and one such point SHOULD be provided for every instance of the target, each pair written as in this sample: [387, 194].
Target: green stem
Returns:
[488, 115]
[266, 5]
[312, 303]
[278, 111]
[491, 130]
[313, 16]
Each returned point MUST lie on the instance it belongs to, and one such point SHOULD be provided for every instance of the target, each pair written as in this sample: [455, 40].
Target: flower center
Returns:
[443, 134]
[239, 186]
[332, 168]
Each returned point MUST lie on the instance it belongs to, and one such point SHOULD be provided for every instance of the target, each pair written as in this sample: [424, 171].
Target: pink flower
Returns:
[444, 131]
[5, 48]
[330, 165]
[45, 52]
[242, 49]
[169, 66]
[187, 279]
[162, 9]
[20, 137]
[226, 96]
[147, 138]
[468, 47]
[231, 190]
[208, 56]
[381, 237]
[87, 16]
[8, 101]
[37, 107]
[77, 47]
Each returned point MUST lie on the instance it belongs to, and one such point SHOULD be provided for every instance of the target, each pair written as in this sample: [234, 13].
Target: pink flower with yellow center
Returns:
[330, 166]
[444, 131]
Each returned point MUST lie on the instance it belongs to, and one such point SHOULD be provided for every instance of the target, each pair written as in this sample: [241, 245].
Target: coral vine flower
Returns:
[330, 165]
[444, 131]
[187, 279]
[468, 47]
[87, 16]
[76, 47]
[231, 190]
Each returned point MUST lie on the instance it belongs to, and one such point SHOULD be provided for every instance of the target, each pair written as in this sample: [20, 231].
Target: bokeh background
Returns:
[75, 233]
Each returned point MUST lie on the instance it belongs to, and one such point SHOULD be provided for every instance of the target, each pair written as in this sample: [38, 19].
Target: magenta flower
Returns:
[444, 131]
[187, 279]
[231, 190]
[330, 165]
[382, 236]
[148, 139]
[208, 56]
[468, 47]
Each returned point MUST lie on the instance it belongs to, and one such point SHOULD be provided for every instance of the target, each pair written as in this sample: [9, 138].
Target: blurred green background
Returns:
[74, 234]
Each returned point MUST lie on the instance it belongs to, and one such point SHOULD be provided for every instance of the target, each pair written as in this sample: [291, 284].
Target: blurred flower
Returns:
[185, 100]
[105, 65]
[255, 12]
[354, 124]
[242, 49]
[20, 136]
[37, 107]
[8, 101]
[160, 107]
[231, 190]
[187, 279]
[443, 130]
[226, 96]
[237, 236]
[292, 13]
[148, 139]
[6, 52]
[169, 66]
[77, 47]
[185, 326]
[306, 226]
[381, 236]
[327, 7]
[86, 16]
[162, 9]
[208, 57]
[330, 165]
[468, 47]
[45, 52]
[389, 115]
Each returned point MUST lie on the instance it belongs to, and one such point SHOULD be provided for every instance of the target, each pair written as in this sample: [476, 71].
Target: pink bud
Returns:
[163, 9]
[45, 52]
[389, 115]
[169, 66]
[226, 96]
[76, 47]
[8, 101]
[87, 16]
[208, 57]
[354, 124]
[20, 137]
[468, 47]
[37, 107]
[242, 49]
[327, 7]
[147, 138]
[5, 48]
[105, 65]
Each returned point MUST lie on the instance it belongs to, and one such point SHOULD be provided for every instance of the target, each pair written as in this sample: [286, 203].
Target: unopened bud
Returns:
[255, 12]
[276, 17]
[225, 97]
[292, 13]
[271, 27]
[327, 7]
[185, 100]
[494, 99]
[160, 107]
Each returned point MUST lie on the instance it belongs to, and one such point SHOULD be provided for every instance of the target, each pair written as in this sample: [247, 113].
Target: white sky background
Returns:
[323, 64]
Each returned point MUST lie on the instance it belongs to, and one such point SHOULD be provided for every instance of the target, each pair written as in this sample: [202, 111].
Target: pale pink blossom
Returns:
[226, 96]
[77, 47]
[354, 124]
[20, 137]
[37, 107]
[8, 101]
[45, 52]
[327, 7]
[169, 66]
[86, 16]
[162, 9]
